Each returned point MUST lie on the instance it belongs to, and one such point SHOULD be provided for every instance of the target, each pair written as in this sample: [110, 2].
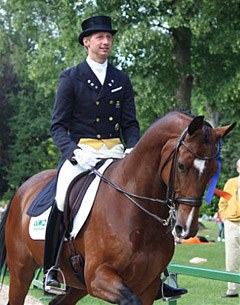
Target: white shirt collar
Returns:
[95, 66]
[100, 70]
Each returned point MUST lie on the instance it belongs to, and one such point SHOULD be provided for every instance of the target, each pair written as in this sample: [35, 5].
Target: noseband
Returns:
[171, 194]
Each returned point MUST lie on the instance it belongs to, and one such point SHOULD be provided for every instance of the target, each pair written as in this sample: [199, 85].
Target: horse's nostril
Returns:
[178, 230]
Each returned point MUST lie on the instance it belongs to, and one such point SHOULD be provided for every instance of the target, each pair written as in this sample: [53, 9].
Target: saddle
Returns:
[73, 201]
[75, 195]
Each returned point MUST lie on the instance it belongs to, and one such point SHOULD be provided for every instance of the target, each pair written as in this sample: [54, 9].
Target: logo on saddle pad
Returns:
[37, 225]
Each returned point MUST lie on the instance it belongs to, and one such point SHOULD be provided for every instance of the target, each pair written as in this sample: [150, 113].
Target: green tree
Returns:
[9, 86]
[180, 54]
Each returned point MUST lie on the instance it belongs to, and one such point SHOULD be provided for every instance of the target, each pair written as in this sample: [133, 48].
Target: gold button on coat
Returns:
[110, 118]
[97, 119]
[98, 136]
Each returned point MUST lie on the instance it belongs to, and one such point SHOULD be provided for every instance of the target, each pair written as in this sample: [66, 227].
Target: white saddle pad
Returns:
[37, 225]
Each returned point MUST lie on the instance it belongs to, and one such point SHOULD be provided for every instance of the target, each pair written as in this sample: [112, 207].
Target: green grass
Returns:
[200, 291]
[203, 291]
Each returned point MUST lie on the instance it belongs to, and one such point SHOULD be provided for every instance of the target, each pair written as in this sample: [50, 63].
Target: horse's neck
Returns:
[142, 169]
[142, 166]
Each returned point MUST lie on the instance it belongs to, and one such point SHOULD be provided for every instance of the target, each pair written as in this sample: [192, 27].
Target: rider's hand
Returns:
[85, 159]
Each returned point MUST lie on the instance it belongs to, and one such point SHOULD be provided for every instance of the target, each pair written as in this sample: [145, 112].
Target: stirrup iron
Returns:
[55, 290]
[171, 278]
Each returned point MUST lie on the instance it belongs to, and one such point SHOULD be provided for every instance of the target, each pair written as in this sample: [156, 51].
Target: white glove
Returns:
[128, 150]
[85, 159]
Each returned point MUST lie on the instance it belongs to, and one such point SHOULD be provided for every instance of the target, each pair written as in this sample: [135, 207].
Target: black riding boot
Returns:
[169, 292]
[53, 242]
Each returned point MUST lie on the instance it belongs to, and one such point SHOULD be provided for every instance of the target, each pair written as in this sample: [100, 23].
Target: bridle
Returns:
[171, 194]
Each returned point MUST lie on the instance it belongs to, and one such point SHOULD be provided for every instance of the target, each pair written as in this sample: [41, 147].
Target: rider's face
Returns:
[99, 46]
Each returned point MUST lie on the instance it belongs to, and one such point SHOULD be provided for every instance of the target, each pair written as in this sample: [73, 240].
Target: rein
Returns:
[130, 196]
[170, 198]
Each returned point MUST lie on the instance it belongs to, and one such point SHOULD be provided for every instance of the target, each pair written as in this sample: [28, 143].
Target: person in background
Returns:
[220, 224]
[94, 117]
[230, 213]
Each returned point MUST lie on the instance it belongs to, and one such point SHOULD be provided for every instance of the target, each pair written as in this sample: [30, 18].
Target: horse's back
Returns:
[28, 191]
[25, 195]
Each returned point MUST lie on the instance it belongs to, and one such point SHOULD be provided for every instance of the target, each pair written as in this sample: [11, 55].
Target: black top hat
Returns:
[96, 24]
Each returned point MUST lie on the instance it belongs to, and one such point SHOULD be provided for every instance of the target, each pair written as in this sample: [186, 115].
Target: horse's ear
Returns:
[223, 131]
[196, 124]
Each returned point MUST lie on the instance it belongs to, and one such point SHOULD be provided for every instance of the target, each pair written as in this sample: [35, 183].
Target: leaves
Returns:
[39, 39]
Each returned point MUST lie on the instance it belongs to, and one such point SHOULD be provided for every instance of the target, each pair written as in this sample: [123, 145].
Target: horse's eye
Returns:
[181, 168]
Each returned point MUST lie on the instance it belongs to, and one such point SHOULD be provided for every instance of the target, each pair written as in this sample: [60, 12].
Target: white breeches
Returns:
[69, 171]
[232, 251]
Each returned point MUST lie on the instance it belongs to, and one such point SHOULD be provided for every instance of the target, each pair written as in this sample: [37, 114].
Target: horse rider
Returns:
[94, 115]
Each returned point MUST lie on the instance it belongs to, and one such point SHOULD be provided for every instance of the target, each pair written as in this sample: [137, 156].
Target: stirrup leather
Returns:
[55, 290]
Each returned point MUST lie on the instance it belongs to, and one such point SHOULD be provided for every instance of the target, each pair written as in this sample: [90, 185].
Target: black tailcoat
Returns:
[84, 108]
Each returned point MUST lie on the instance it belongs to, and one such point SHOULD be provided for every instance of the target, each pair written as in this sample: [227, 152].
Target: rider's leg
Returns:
[55, 227]
[53, 238]
[66, 174]
[167, 291]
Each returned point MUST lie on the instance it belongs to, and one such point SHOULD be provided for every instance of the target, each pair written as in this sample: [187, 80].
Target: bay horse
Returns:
[143, 200]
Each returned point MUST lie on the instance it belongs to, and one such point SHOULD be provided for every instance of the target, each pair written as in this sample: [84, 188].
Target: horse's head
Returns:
[187, 170]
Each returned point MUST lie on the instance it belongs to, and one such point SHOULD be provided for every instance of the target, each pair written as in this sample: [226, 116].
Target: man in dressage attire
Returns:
[94, 117]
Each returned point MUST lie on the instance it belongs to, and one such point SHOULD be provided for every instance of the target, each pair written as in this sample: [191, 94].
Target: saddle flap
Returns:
[75, 195]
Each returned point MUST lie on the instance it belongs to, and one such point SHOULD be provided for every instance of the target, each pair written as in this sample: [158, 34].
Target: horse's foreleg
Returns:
[105, 284]
[71, 297]
[20, 281]
[149, 294]
[21, 271]
[127, 297]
